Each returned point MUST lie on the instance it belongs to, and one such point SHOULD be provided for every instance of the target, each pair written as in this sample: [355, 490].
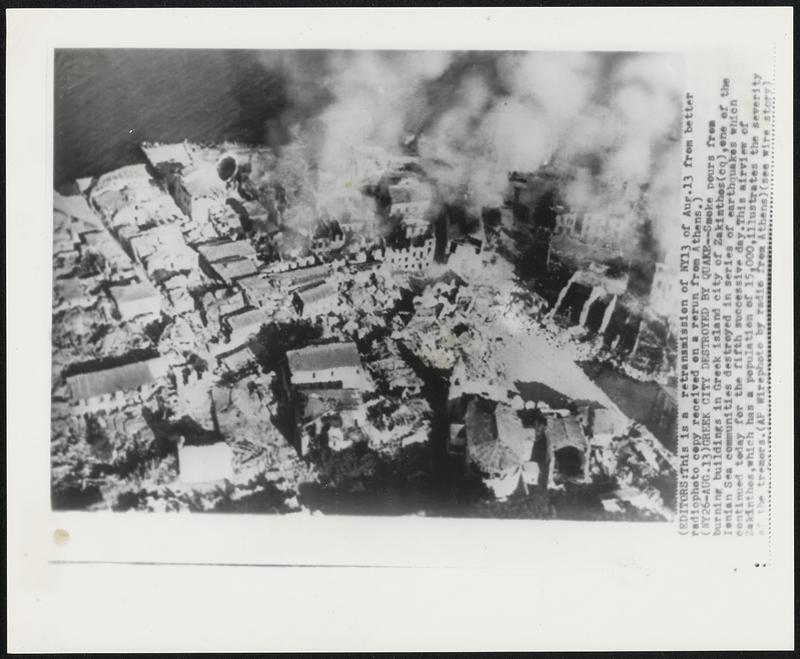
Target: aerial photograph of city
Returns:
[435, 283]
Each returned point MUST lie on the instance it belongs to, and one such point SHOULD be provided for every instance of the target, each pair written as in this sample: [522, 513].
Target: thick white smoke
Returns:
[608, 122]
[374, 95]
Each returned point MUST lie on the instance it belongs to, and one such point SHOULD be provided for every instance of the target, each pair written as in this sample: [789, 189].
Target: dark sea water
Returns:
[107, 101]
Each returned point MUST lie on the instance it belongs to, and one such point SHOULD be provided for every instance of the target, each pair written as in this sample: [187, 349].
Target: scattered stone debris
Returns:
[418, 336]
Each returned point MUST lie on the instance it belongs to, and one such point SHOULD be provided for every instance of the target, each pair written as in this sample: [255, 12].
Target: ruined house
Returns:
[176, 289]
[214, 252]
[328, 414]
[393, 371]
[415, 254]
[118, 263]
[327, 237]
[73, 293]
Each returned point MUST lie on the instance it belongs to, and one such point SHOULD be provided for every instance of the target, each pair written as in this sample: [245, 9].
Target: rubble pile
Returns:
[391, 372]
[433, 343]
[635, 467]
[244, 413]
[265, 313]
[366, 298]
[398, 423]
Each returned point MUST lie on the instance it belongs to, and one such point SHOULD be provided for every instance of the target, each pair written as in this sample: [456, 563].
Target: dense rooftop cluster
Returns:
[207, 332]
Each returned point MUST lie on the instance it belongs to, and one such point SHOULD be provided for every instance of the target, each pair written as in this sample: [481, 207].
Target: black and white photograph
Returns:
[393, 329]
[436, 283]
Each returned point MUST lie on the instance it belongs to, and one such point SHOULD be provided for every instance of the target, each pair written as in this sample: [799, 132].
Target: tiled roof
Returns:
[138, 291]
[249, 318]
[235, 269]
[323, 357]
[214, 252]
[255, 284]
[565, 432]
[238, 358]
[300, 275]
[317, 293]
[109, 381]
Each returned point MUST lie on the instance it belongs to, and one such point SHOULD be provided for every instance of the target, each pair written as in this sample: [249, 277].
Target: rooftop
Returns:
[495, 451]
[109, 381]
[317, 293]
[75, 206]
[564, 432]
[302, 274]
[255, 284]
[237, 359]
[235, 269]
[214, 252]
[246, 319]
[138, 291]
[322, 357]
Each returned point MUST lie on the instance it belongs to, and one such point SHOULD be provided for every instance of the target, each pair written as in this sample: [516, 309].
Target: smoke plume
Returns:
[607, 122]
